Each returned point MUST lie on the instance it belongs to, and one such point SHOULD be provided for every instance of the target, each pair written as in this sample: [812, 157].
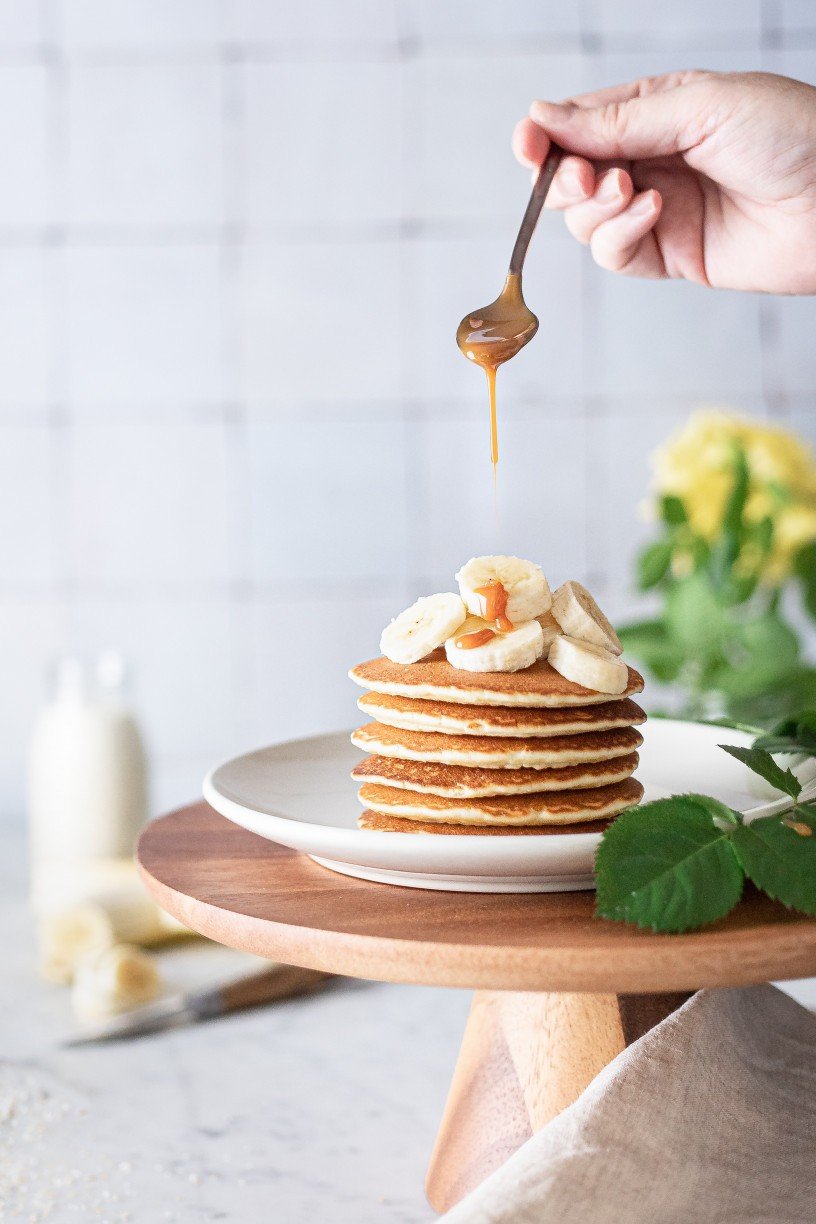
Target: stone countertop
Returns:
[324, 1108]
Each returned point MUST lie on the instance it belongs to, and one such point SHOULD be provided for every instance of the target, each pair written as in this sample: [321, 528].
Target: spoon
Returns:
[495, 333]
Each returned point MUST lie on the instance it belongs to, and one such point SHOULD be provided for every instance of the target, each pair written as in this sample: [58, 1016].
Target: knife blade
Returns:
[254, 990]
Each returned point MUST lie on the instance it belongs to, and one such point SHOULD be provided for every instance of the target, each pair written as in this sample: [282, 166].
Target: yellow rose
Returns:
[697, 464]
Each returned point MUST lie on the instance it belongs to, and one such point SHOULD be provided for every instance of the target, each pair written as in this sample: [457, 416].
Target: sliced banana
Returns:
[580, 617]
[114, 980]
[550, 628]
[504, 652]
[66, 936]
[112, 884]
[589, 665]
[528, 594]
[422, 628]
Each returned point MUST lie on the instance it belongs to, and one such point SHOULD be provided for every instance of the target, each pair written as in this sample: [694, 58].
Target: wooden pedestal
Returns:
[524, 1058]
[559, 992]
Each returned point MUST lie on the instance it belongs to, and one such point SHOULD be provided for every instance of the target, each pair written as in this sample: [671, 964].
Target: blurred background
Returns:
[236, 435]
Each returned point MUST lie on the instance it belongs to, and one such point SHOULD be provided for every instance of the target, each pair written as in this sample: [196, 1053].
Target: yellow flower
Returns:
[697, 464]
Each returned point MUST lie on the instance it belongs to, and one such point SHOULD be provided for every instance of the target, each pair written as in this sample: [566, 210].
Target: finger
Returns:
[574, 183]
[575, 178]
[531, 144]
[627, 243]
[612, 196]
[639, 88]
[654, 125]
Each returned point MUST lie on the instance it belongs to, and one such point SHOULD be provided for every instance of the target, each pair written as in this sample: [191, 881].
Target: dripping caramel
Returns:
[496, 597]
[470, 641]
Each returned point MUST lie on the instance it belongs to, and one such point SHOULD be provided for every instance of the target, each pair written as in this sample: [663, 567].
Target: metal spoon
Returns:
[495, 333]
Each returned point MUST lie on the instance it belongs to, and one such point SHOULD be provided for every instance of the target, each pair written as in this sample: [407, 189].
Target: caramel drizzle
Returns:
[470, 641]
[495, 597]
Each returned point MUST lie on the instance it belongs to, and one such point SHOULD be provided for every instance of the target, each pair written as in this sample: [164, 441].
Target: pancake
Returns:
[553, 808]
[496, 752]
[395, 824]
[435, 679]
[410, 714]
[457, 781]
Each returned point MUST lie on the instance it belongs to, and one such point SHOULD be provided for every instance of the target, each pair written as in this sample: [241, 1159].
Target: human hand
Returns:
[705, 176]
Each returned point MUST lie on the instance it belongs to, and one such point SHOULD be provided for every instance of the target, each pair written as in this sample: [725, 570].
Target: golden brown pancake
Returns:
[551, 807]
[435, 679]
[497, 752]
[394, 824]
[457, 781]
[460, 719]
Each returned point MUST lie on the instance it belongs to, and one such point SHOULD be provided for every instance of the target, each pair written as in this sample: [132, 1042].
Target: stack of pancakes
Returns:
[492, 752]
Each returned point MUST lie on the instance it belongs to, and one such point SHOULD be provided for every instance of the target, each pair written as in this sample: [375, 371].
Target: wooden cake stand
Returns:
[559, 993]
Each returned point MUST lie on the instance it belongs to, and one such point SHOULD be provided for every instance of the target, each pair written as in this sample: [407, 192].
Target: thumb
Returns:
[655, 125]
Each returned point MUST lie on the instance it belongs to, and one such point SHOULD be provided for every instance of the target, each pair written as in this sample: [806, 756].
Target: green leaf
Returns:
[735, 506]
[653, 564]
[649, 643]
[758, 653]
[805, 568]
[667, 865]
[672, 510]
[792, 735]
[695, 617]
[762, 763]
[780, 857]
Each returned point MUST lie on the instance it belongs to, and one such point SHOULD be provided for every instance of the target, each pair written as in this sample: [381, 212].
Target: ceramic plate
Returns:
[300, 794]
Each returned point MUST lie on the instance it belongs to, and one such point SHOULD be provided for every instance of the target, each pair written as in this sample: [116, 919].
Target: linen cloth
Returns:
[710, 1118]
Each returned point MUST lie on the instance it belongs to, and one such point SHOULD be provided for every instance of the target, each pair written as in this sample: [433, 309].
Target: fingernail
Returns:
[572, 183]
[643, 205]
[609, 188]
[553, 111]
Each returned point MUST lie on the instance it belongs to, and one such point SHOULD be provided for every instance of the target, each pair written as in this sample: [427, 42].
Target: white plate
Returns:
[300, 794]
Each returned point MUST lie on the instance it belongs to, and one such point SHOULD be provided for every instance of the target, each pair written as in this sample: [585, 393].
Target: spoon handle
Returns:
[534, 205]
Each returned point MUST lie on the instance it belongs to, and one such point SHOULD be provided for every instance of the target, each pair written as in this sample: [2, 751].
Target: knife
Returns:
[279, 982]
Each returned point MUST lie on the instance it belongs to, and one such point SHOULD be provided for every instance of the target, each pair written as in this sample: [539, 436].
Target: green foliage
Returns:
[791, 735]
[779, 856]
[762, 763]
[720, 636]
[680, 863]
[668, 866]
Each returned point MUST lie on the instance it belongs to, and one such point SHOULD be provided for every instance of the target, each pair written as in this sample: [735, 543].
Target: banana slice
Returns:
[528, 594]
[580, 617]
[423, 627]
[59, 886]
[66, 936]
[550, 628]
[589, 665]
[114, 980]
[503, 652]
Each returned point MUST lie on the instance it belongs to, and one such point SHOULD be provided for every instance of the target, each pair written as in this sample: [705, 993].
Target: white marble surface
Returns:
[318, 1109]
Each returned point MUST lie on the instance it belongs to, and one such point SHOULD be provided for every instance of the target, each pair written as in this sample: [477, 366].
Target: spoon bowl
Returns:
[495, 333]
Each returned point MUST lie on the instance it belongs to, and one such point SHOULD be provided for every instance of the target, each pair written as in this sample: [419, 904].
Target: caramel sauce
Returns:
[494, 335]
[495, 597]
[799, 827]
[469, 641]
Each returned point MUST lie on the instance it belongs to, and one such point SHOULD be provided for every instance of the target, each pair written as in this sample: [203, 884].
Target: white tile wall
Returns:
[147, 504]
[24, 152]
[25, 326]
[308, 308]
[144, 326]
[208, 206]
[333, 169]
[145, 144]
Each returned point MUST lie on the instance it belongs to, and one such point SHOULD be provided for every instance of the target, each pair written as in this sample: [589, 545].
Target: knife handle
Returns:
[277, 982]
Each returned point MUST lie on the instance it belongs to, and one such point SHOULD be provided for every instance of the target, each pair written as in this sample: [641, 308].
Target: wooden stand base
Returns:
[524, 1058]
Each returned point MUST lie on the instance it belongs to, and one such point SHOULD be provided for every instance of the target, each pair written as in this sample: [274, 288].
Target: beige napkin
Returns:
[708, 1119]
